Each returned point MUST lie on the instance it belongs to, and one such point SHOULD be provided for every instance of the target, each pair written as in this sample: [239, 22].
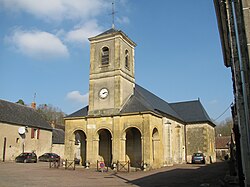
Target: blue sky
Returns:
[44, 50]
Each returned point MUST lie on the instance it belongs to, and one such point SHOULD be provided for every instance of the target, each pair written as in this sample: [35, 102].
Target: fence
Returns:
[54, 163]
[123, 166]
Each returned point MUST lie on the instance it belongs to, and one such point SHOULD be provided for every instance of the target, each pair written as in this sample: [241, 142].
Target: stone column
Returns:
[167, 145]
[122, 156]
[116, 142]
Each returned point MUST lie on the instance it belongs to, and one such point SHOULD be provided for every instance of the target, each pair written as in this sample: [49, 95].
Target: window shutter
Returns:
[38, 133]
[32, 133]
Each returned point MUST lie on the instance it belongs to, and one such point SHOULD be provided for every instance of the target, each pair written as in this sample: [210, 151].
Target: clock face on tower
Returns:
[103, 93]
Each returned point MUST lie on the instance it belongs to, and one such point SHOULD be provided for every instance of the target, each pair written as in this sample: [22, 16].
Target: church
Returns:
[126, 122]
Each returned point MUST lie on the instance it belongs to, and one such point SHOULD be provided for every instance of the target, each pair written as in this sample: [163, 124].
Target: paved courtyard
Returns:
[39, 174]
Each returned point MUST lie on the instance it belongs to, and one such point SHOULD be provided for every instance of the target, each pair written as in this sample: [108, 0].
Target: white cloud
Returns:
[123, 20]
[81, 34]
[77, 97]
[213, 102]
[38, 44]
[57, 9]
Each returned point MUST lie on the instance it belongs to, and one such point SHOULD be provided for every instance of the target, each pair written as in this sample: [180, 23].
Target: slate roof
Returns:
[80, 113]
[191, 111]
[144, 101]
[114, 32]
[18, 114]
[58, 136]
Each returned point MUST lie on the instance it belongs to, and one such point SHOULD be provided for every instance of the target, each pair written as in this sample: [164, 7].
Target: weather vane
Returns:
[113, 14]
[34, 99]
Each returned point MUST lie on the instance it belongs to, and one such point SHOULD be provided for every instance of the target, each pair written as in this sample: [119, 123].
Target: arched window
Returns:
[126, 59]
[105, 55]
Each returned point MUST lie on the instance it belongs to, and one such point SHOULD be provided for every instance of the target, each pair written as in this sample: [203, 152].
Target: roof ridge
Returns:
[17, 104]
[144, 97]
[15, 113]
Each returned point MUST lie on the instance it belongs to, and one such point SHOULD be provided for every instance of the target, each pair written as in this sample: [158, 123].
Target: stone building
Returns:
[233, 18]
[222, 146]
[22, 129]
[124, 121]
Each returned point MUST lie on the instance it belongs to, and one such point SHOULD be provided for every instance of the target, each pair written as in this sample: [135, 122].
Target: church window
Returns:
[105, 56]
[126, 59]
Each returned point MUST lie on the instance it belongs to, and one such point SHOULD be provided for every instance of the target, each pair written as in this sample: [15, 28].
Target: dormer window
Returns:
[126, 59]
[105, 56]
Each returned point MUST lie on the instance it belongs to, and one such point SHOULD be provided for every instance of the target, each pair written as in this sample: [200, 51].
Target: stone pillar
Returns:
[122, 156]
[116, 140]
[95, 151]
[146, 142]
[167, 145]
[69, 143]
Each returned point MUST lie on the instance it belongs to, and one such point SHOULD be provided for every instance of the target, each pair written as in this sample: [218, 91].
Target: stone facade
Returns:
[201, 138]
[149, 137]
[125, 122]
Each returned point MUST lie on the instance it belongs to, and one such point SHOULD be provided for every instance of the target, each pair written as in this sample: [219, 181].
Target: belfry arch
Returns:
[80, 146]
[133, 148]
[105, 146]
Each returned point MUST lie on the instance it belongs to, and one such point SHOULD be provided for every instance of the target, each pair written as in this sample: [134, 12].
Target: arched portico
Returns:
[133, 148]
[105, 146]
[80, 146]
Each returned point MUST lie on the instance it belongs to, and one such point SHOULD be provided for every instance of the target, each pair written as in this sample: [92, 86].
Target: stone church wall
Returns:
[200, 138]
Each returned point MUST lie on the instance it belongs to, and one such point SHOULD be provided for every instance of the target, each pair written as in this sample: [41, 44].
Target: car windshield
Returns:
[24, 154]
[198, 154]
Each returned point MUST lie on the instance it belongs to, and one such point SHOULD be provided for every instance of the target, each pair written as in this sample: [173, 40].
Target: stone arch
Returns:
[133, 146]
[126, 129]
[155, 144]
[105, 146]
[80, 146]
[105, 55]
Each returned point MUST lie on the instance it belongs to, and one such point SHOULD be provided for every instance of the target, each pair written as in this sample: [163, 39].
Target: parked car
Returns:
[26, 157]
[198, 158]
[47, 157]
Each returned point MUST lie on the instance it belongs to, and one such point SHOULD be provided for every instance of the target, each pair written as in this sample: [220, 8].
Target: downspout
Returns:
[185, 139]
[242, 73]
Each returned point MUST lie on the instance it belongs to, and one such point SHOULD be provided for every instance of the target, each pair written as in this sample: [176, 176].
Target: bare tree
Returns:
[224, 128]
[52, 114]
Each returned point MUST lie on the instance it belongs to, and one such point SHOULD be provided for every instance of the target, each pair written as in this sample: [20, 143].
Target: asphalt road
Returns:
[39, 174]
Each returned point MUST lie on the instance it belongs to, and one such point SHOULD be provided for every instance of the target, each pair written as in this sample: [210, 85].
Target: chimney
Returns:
[33, 105]
[53, 125]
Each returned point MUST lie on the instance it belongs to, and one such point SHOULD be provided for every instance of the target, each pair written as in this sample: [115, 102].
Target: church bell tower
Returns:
[111, 80]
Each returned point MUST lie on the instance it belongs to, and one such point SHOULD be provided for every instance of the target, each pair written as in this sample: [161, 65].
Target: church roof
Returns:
[143, 101]
[79, 113]
[191, 111]
[111, 32]
[18, 114]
